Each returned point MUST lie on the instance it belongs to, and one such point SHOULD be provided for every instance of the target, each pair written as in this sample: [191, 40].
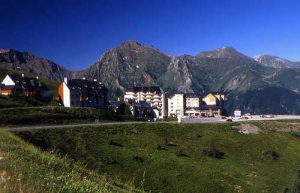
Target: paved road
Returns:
[254, 118]
[65, 126]
[195, 120]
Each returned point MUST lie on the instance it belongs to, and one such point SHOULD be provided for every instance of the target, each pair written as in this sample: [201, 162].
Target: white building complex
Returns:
[152, 95]
[191, 104]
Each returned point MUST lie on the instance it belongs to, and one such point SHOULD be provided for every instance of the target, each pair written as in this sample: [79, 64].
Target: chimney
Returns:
[95, 80]
[66, 80]
[23, 75]
[83, 78]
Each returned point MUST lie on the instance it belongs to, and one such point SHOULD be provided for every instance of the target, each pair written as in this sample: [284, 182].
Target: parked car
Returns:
[229, 119]
[248, 115]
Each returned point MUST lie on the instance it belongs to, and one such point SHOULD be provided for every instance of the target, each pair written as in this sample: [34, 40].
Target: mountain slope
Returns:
[25, 61]
[224, 69]
[225, 52]
[133, 64]
[275, 62]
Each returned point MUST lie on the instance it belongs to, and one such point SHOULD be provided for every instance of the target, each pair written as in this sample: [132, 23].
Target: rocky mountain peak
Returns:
[131, 44]
[13, 59]
[3, 51]
[275, 62]
[225, 52]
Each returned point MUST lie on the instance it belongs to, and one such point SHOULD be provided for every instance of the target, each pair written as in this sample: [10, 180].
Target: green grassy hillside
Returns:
[24, 168]
[173, 158]
[56, 115]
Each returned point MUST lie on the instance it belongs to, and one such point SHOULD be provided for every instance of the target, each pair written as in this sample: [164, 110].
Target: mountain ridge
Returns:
[275, 61]
[28, 62]
[224, 69]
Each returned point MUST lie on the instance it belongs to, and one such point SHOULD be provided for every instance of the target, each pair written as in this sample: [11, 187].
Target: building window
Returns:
[72, 103]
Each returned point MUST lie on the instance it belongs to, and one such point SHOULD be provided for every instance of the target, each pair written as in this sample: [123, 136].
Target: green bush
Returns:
[271, 154]
[213, 152]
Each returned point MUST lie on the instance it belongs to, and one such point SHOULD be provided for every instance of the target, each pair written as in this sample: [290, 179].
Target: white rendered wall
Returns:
[67, 96]
[178, 104]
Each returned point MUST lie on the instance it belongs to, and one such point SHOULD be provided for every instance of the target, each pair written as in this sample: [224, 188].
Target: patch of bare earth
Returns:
[250, 128]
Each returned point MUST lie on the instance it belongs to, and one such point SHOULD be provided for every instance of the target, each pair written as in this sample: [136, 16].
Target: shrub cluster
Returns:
[213, 152]
[271, 154]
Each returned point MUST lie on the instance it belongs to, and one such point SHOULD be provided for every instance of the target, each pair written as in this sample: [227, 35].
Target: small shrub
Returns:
[213, 152]
[109, 161]
[297, 184]
[295, 134]
[111, 142]
[199, 136]
[138, 159]
[160, 148]
[271, 154]
[181, 154]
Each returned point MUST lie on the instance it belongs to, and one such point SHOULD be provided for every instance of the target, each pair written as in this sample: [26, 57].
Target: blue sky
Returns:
[76, 33]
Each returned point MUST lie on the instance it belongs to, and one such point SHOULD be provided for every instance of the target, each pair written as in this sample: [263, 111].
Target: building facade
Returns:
[192, 104]
[22, 85]
[152, 95]
[212, 104]
[83, 93]
[176, 104]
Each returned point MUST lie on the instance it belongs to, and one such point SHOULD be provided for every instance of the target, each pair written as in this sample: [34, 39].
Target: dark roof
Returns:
[86, 86]
[206, 107]
[217, 92]
[192, 95]
[170, 95]
[27, 82]
[8, 87]
[144, 89]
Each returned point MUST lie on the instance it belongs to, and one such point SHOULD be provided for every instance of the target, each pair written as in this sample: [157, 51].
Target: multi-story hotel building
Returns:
[152, 95]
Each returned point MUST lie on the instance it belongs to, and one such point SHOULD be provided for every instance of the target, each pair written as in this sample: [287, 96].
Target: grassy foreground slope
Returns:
[24, 168]
[169, 157]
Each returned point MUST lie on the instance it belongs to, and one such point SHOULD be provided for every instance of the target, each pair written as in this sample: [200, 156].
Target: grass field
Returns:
[56, 115]
[25, 168]
[169, 157]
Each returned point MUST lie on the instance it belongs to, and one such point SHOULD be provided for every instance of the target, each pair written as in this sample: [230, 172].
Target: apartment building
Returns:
[83, 93]
[23, 85]
[176, 104]
[152, 95]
